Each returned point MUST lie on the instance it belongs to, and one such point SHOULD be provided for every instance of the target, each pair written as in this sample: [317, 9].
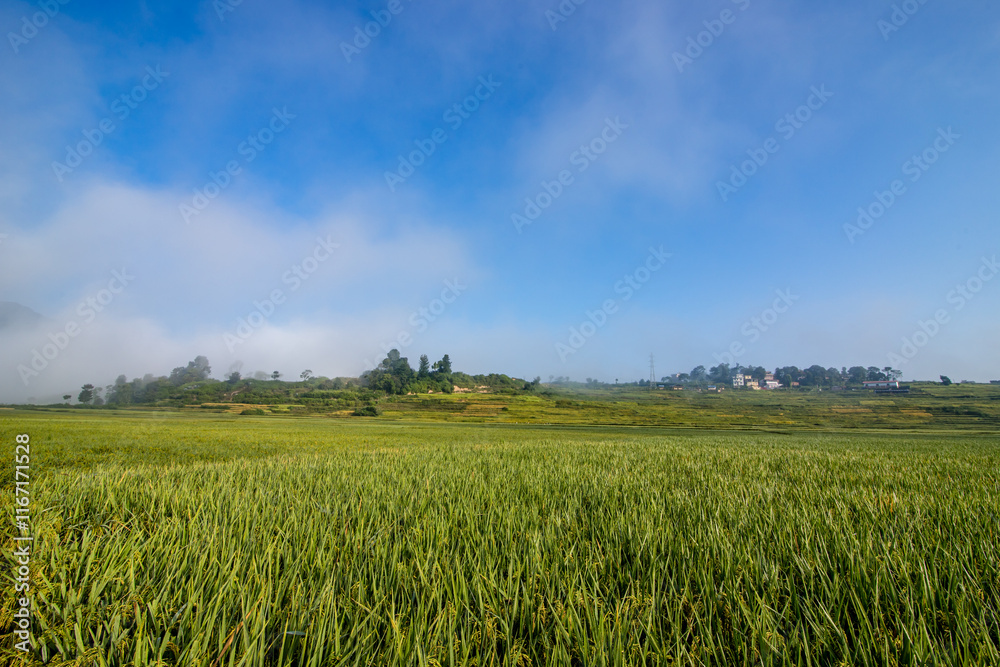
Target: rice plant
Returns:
[235, 541]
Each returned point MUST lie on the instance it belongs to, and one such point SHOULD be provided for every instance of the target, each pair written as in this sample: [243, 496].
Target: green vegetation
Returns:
[813, 376]
[193, 385]
[394, 391]
[204, 539]
[394, 376]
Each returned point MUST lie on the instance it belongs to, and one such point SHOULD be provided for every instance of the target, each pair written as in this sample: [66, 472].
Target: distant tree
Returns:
[815, 376]
[945, 380]
[698, 374]
[202, 367]
[66, 397]
[443, 366]
[233, 377]
[393, 375]
[876, 375]
[305, 375]
[87, 394]
[720, 374]
[425, 366]
[196, 371]
[857, 375]
[891, 373]
[787, 375]
[275, 376]
[121, 392]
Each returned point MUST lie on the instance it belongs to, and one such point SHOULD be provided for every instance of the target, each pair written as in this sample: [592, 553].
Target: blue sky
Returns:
[673, 129]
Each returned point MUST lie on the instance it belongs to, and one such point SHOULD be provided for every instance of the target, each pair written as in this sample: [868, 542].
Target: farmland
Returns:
[202, 538]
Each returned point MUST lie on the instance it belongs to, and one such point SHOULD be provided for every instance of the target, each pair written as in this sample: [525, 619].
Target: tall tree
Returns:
[121, 393]
[720, 374]
[857, 374]
[875, 375]
[815, 376]
[87, 394]
[196, 371]
[425, 366]
[443, 366]
[201, 367]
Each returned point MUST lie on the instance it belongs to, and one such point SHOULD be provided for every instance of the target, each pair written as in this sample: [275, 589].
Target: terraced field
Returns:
[929, 407]
[204, 539]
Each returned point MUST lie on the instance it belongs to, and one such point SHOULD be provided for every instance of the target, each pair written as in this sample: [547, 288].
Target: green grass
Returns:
[200, 539]
[931, 407]
[966, 407]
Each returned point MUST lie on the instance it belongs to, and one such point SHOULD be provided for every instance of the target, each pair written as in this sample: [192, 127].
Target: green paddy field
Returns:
[624, 533]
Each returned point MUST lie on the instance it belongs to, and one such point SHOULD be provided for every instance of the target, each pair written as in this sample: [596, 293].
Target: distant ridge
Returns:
[15, 316]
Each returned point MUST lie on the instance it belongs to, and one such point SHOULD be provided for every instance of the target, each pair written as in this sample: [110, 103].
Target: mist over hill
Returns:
[14, 316]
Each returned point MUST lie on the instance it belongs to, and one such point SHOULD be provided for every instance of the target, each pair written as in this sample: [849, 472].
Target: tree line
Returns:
[813, 376]
[393, 376]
